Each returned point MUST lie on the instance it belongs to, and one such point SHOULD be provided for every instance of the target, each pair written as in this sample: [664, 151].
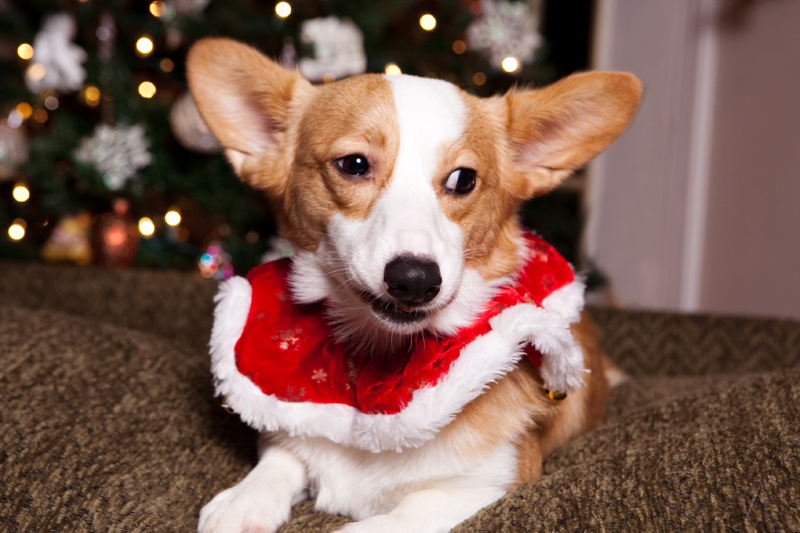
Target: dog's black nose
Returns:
[412, 280]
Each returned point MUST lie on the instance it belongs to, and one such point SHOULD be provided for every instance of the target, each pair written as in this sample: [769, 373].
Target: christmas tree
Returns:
[104, 157]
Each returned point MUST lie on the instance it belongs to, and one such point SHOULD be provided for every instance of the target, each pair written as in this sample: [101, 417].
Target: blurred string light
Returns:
[24, 109]
[173, 218]
[25, 51]
[479, 78]
[146, 226]
[166, 65]
[157, 9]
[283, 9]
[17, 229]
[91, 95]
[36, 72]
[147, 89]
[144, 46]
[40, 116]
[427, 21]
[392, 69]
[510, 64]
[459, 47]
[21, 193]
[51, 103]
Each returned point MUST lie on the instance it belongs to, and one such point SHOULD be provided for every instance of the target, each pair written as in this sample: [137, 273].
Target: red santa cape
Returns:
[279, 366]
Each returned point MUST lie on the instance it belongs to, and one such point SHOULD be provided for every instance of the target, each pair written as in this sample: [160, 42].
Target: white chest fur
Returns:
[361, 484]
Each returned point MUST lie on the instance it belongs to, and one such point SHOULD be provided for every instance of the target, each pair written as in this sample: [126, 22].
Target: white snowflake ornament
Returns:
[57, 61]
[338, 49]
[116, 153]
[506, 29]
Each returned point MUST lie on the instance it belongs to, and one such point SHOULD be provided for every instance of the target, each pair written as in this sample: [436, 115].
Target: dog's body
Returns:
[400, 194]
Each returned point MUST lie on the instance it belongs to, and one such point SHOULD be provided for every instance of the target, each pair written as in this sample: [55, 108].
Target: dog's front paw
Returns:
[239, 510]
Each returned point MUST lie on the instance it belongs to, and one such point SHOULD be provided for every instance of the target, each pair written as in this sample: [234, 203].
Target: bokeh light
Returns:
[17, 229]
[173, 218]
[510, 64]
[428, 22]
[146, 226]
[21, 193]
[283, 9]
[25, 110]
[157, 8]
[25, 51]
[91, 95]
[392, 70]
[144, 46]
[40, 116]
[147, 89]
[36, 72]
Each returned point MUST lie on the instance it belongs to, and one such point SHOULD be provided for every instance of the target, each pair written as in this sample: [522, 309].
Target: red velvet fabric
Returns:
[289, 351]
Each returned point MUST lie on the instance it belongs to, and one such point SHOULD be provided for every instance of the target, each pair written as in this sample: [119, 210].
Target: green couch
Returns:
[109, 424]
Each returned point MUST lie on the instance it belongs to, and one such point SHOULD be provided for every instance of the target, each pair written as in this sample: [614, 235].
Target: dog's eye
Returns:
[461, 181]
[354, 165]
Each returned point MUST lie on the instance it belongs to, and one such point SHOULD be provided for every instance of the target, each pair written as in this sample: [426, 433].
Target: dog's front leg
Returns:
[424, 511]
[262, 501]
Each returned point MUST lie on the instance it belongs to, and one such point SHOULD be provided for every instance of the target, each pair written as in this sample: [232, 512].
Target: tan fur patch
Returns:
[282, 134]
[523, 145]
[516, 409]
[354, 116]
[487, 214]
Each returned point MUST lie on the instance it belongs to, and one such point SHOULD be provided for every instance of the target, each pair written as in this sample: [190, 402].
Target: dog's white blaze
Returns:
[407, 217]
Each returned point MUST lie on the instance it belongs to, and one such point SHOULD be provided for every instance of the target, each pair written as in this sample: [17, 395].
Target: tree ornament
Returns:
[116, 153]
[69, 241]
[189, 128]
[56, 62]
[115, 237]
[215, 263]
[506, 29]
[338, 49]
[13, 150]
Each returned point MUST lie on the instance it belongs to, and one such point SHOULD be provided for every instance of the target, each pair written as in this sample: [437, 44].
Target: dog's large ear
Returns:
[244, 97]
[555, 130]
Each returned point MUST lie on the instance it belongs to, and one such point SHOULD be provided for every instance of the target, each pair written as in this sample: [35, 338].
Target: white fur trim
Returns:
[485, 360]
[568, 300]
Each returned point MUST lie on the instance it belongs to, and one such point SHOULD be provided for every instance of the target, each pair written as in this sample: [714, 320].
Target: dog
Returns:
[400, 195]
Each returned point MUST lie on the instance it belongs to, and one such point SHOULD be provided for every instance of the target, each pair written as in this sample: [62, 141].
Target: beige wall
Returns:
[696, 207]
[752, 259]
[637, 200]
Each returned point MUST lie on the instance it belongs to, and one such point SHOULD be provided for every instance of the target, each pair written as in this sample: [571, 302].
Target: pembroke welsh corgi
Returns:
[421, 354]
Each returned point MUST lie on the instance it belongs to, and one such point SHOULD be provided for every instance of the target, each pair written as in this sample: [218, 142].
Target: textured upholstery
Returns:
[108, 422]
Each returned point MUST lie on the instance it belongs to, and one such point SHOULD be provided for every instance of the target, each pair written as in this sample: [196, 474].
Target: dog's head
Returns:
[400, 193]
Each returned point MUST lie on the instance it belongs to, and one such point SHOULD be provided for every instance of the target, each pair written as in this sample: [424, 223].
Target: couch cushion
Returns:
[108, 429]
[112, 429]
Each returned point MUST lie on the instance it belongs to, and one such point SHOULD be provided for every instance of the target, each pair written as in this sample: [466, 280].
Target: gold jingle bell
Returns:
[555, 395]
